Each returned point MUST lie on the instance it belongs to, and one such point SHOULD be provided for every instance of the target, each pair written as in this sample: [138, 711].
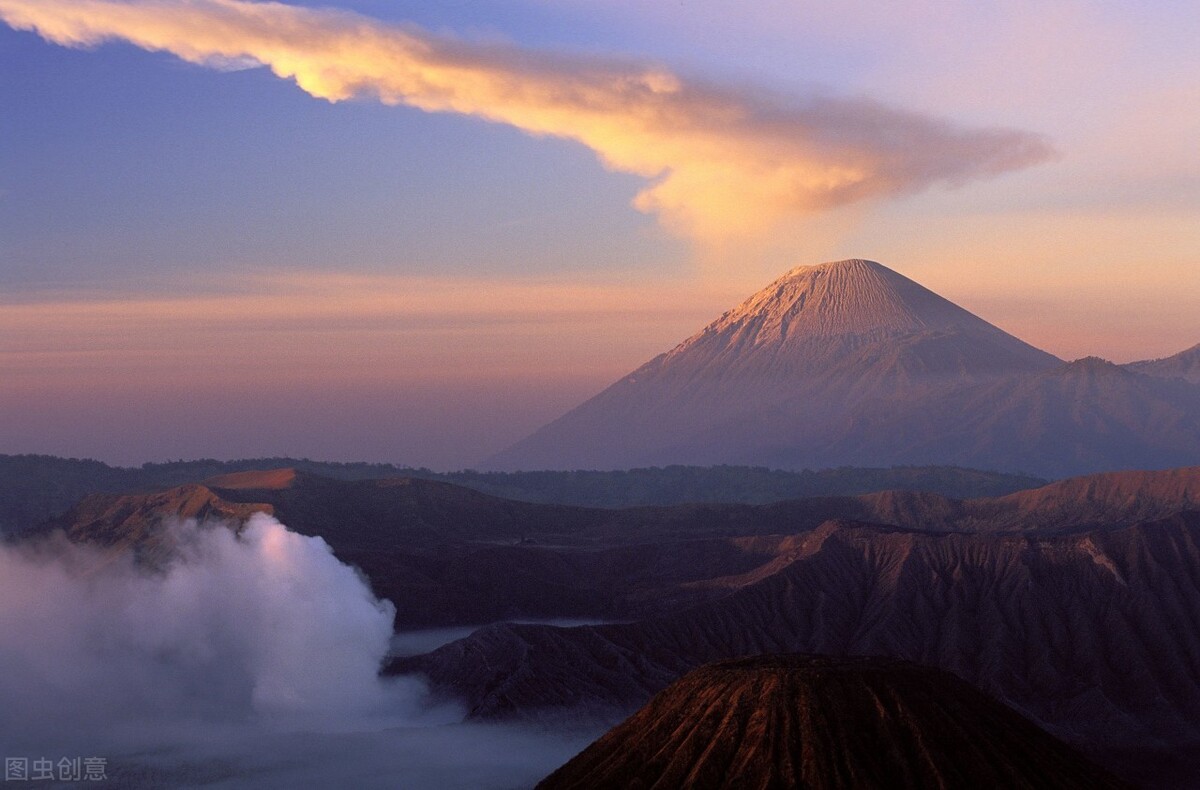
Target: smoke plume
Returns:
[251, 657]
[262, 623]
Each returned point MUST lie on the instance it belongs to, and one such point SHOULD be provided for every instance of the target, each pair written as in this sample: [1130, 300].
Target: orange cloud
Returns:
[722, 164]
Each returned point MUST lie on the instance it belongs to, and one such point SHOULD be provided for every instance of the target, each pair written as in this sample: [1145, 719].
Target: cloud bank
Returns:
[722, 163]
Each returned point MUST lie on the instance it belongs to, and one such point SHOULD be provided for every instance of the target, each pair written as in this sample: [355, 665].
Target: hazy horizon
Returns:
[469, 220]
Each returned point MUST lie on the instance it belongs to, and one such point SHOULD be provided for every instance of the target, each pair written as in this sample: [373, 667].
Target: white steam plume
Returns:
[262, 623]
[250, 660]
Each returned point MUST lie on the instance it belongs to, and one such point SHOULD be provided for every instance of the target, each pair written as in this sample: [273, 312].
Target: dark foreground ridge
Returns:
[35, 488]
[788, 721]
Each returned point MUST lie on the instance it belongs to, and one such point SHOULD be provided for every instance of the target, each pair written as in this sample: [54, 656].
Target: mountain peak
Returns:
[848, 297]
[819, 722]
[844, 264]
[771, 375]
[849, 264]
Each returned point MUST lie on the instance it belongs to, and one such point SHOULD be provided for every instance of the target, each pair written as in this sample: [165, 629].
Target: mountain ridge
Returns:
[36, 488]
[1184, 365]
[850, 363]
[1075, 602]
[1090, 634]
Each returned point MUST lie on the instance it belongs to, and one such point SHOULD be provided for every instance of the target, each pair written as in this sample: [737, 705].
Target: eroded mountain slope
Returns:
[789, 721]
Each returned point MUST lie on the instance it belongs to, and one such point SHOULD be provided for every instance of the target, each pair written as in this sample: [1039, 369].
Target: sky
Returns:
[414, 232]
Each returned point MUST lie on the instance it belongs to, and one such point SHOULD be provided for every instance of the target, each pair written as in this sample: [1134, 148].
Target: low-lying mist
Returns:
[249, 660]
[426, 640]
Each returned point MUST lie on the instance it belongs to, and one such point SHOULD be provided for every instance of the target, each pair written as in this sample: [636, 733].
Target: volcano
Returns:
[807, 721]
[852, 364]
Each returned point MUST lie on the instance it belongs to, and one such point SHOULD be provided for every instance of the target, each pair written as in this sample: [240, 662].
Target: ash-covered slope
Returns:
[852, 297]
[1094, 635]
[1112, 498]
[139, 522]
[777, 369]
[1086, 416]
[789, 721]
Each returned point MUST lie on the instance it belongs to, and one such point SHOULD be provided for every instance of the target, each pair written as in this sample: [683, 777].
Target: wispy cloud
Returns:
[345, 327]
[722, 163]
